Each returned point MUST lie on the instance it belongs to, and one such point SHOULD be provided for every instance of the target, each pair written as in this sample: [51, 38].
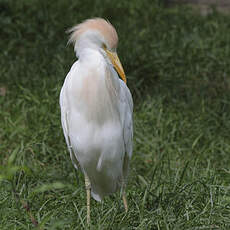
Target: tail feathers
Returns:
[96, 196]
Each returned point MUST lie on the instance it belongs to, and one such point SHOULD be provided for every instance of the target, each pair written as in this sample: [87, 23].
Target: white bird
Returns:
[96, 110]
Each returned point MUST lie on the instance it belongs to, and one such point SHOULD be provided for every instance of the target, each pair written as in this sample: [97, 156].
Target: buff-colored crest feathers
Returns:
[100, 25]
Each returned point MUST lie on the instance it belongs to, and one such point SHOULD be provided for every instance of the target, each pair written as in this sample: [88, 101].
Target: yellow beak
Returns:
[117, 64]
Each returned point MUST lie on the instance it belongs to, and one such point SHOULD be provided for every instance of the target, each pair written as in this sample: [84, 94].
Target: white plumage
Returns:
[96, 109]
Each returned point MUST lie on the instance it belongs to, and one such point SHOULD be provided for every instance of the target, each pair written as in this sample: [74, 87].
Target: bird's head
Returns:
[97, 34]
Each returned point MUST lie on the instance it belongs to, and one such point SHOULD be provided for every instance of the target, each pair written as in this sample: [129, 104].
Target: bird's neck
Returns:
[90, 56]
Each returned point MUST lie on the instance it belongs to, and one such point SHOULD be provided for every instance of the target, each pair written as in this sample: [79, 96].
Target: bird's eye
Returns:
[104, 46]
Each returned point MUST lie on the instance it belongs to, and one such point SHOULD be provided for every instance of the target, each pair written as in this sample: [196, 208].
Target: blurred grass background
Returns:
[177, 63]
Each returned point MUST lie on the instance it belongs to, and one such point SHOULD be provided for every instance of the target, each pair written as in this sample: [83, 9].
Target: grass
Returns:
[177, 64]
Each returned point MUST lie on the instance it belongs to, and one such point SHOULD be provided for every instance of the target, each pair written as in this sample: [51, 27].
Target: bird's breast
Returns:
[95, 93]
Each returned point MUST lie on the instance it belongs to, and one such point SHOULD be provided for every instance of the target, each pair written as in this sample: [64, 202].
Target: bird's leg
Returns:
[88, 187]
[125, 201]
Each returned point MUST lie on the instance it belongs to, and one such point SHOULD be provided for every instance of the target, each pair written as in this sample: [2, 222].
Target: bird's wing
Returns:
[127, 119]
[65, 122]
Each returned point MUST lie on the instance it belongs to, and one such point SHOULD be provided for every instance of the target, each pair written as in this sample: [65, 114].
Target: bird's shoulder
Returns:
[125, 95]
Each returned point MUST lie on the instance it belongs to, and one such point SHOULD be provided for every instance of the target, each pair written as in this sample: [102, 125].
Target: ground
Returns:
[204, 6]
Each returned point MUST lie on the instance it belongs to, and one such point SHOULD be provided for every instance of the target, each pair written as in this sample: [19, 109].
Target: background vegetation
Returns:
[177, 64]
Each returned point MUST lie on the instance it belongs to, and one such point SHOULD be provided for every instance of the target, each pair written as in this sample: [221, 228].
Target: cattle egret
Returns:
[96, 111]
